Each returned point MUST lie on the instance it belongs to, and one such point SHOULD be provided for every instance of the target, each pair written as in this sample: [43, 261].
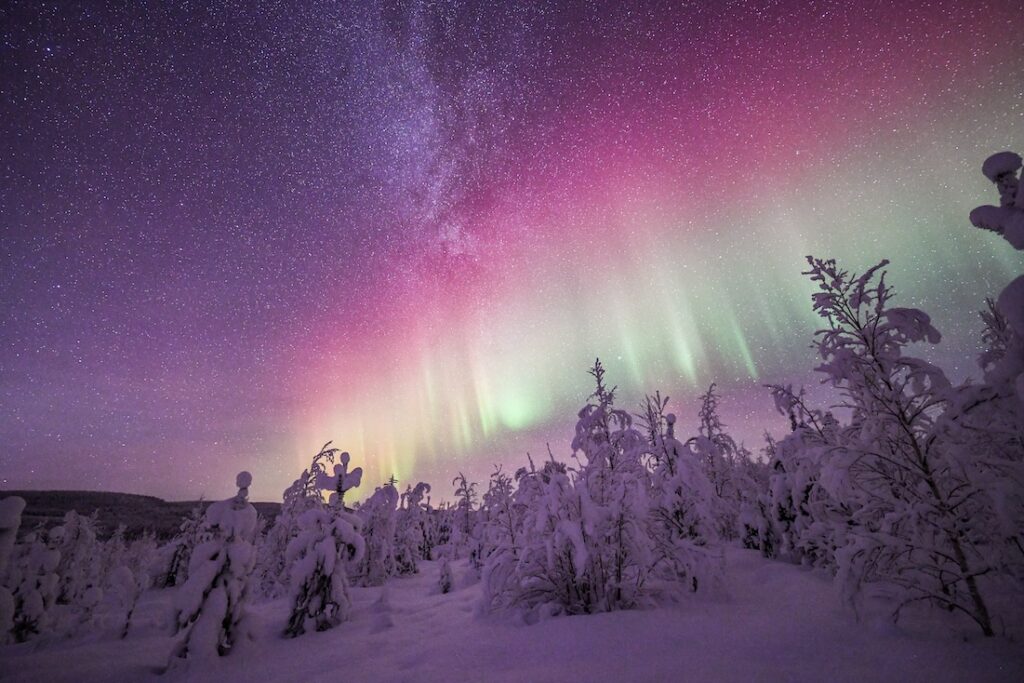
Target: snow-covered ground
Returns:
[772, 621]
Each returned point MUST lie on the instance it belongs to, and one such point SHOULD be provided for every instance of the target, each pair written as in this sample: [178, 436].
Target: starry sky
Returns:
[232, 232]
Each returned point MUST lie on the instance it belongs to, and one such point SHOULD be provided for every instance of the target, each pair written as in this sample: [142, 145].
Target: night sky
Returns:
[232, 233]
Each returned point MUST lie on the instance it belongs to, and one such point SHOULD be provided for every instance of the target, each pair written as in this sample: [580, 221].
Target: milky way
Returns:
[232, 234]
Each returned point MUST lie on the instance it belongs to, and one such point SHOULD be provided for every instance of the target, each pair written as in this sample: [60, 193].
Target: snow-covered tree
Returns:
[10, 519]
[81, 559]
[211, 605]
[729, 467]
[500, 520]
[326, 543]
[328, 540]
[410, 529]
[800, 515]
[465, 537]
[984, 422]
[32, 577]
[179, 550]
[612, 484]
[128, 573]
[126, 587]
[113, 550]
[305, 493]
[585, 545]
[377, 514]
[683, 524]
[910, 499]
[545, 573]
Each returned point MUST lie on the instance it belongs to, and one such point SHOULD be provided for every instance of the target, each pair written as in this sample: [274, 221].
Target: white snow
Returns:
[772, 621]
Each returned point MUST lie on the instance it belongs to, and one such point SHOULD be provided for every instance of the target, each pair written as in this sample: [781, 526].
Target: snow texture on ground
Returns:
[771, 622]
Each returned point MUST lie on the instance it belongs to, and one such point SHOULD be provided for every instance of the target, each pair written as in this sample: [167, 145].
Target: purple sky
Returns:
[232, 234]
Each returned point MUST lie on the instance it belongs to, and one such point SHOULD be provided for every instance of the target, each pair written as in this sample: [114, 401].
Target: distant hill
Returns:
[138, 513]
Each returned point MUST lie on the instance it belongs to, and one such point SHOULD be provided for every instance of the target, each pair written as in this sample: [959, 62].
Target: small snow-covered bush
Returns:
[444, 579]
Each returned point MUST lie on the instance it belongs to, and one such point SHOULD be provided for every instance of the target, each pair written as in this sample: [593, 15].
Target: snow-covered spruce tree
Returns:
[377, 514]
[211, 606]
[81, 559]
[545, 572]
[431, 532]
[34, 581]
[613, 485]
[985, 421]
[466, 537]
[327, 542]
[410, 531]
[113, 550]
[910, 497]
[179, 550]
[759, 531]
[683, 524]
[730, 468]
[10, 519]
[126, 587]
[499, 519]
[802, 516]
[305, 493]
[128, 576]
[441, 532]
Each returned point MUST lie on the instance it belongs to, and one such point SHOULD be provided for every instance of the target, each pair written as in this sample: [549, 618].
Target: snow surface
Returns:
[773, 622]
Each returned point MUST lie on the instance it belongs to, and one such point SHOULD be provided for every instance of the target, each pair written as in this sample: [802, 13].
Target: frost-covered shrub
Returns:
[546, 572]
[799, 517]
[211, 605]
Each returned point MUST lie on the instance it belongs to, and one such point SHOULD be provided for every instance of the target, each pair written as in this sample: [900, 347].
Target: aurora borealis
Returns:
[232, 234]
